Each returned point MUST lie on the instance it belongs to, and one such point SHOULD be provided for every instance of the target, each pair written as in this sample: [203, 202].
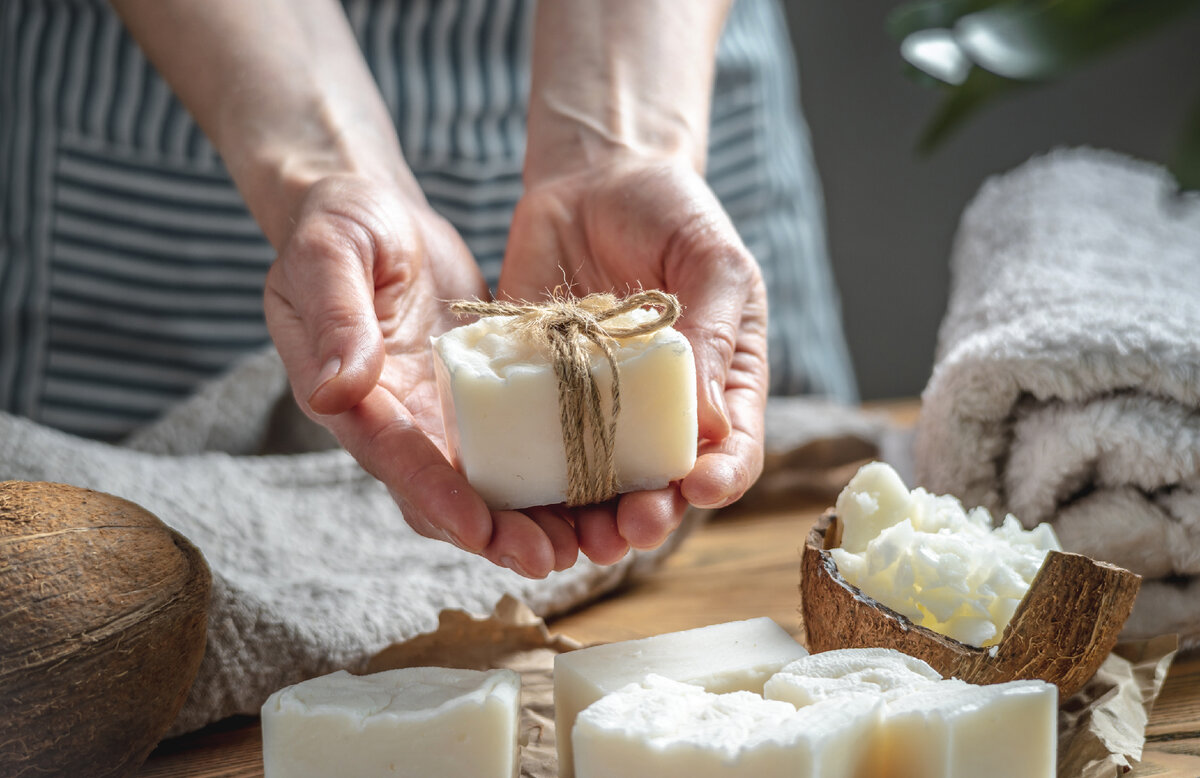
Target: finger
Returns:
[725, 469]
[520, 544]
[561, 533]
[436, 499]
[599, 539]
[646, 519]
[713, 275]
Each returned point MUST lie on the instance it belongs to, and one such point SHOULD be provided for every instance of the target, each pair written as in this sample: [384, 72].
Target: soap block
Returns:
[417, 722]
[952, 729]
[882, 672]
[499, 398]
[665, 729]
[721, 658]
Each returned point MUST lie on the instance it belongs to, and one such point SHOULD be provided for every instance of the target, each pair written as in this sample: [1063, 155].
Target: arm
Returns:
[281, 90]
[621, 77]
[364, 266]
[615, 198]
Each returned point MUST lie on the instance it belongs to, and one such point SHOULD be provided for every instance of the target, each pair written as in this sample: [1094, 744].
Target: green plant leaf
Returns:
[1037, 42]
[961, 102]
[911, 17]
[1016, 42]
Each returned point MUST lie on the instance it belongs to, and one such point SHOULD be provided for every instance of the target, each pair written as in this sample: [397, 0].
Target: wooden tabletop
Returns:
[743, 563]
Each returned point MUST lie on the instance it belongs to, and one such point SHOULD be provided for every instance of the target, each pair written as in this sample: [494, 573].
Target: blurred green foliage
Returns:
[977, 50]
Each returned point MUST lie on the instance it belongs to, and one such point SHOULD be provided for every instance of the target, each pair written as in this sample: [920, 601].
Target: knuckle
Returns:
[720, 336]
[332, 236]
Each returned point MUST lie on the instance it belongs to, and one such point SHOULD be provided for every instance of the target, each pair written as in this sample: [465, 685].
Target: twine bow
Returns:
[562, 326]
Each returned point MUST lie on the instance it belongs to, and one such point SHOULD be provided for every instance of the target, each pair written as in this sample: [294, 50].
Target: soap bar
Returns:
[931, 727]
[924, 556]
[952, 729]
[499, 398]
[665, 729]
[881, 672]
[735, 656]
[419, 721]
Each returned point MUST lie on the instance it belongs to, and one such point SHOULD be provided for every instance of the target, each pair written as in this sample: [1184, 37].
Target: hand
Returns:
[633, 222]
[359, 287]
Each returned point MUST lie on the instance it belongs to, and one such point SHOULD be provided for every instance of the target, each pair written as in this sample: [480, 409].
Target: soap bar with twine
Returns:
[573, 400]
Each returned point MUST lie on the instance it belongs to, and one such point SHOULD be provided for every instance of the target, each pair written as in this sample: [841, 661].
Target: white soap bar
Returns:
[952, 729]
[500, 401]
[416, 722]
[735, 656]
[881, 672]
[927, 558]
[665, 729]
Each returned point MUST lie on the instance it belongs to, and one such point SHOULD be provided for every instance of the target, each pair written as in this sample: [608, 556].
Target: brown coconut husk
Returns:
[1061, 632]
[103, 613]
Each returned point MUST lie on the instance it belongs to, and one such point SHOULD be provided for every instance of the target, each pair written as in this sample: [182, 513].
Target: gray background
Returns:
[892, 215]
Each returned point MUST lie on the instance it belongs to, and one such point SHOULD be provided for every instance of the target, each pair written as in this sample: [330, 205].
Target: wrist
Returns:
[275, 174]
[620, 79]
[566, 137]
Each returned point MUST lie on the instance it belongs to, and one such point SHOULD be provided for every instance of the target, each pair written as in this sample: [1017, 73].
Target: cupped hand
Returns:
[360, 285]
[637, 223]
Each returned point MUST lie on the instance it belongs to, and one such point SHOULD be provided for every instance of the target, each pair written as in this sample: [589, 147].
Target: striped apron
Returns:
[131, 271]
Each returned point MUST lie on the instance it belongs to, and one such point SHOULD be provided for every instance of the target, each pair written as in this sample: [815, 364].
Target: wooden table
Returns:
[743, 563]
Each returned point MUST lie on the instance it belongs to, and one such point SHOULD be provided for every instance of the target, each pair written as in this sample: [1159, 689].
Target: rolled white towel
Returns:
[1067, 380]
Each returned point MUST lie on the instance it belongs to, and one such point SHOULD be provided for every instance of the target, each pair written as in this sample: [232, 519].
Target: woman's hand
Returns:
[358, 289]
[615, 200]
[365, 267]
[634, 222]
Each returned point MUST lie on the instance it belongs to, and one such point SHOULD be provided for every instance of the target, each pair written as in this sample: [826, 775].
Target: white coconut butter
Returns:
[927, 558]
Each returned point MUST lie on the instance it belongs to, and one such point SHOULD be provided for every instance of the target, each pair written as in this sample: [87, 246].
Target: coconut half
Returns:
[1063, 629]
[103, 613]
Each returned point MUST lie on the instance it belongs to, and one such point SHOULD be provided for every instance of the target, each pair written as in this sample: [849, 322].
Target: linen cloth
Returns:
[1066, 385]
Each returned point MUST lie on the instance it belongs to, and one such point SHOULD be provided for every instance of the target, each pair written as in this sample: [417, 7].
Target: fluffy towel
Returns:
[314, 568]
[1067, 379]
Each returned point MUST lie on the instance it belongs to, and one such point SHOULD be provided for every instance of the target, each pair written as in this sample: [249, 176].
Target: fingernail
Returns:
[716, 398]
[454, 539]
[512, 564]
[327, 374]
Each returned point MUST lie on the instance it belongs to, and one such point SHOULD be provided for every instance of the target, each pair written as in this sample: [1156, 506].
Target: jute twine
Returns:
[562, 326]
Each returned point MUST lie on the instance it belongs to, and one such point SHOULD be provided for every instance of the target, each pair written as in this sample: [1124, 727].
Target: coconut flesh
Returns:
[103, 628]
[1026, 611]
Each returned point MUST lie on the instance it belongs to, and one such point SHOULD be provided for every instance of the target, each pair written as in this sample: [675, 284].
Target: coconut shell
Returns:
[103, 612]
[1062, 630]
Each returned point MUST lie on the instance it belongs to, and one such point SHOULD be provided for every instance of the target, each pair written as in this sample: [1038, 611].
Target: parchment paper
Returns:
[1101, 730]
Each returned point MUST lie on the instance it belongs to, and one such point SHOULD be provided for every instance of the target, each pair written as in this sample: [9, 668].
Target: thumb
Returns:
[321, 313]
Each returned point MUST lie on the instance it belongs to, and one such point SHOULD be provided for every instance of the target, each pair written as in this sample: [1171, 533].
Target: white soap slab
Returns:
[416, 722]
[665, 729]
[952, 729]
[878, 671]
[500, 401]
[721, 658]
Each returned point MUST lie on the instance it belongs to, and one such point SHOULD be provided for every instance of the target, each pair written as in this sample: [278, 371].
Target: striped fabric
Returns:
[130, 269]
